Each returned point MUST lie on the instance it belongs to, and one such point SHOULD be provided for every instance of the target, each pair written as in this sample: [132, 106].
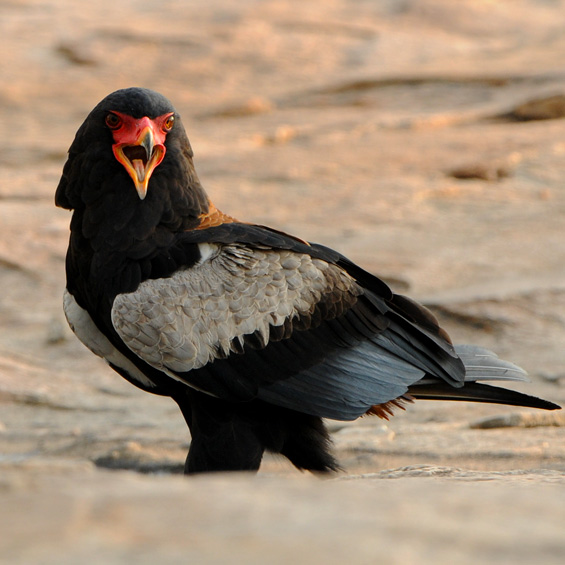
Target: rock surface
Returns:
[424, 139]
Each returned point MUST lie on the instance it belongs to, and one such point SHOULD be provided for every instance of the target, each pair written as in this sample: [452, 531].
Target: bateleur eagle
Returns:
[257, 335]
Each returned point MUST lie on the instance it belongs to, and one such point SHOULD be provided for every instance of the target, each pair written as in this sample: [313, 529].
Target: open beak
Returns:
[141, 153]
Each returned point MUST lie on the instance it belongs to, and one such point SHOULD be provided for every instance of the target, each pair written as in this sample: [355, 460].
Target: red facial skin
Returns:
[139, 145]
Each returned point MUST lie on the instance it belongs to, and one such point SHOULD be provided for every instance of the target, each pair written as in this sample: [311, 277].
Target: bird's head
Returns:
[135, 130]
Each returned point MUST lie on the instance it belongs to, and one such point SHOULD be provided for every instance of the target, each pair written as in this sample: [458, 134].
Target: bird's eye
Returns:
[113, 121]
[169, 122]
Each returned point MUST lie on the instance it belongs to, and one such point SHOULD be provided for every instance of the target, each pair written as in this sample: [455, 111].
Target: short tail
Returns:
[481, 364]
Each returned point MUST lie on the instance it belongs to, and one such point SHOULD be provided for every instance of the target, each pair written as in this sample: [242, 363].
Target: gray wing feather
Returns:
[183, 322]
[483, 364]
[346, 384]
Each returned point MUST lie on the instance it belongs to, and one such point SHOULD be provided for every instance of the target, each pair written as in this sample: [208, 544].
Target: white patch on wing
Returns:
[85, 329]
[185, 321]
[207, 250]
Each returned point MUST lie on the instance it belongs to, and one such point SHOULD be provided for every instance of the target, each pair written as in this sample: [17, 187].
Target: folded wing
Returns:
[285, 326]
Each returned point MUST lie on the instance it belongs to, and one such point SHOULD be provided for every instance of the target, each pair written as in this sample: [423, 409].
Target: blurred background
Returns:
[422, 138]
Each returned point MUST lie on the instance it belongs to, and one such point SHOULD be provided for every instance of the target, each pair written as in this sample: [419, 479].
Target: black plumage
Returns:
[256, 334]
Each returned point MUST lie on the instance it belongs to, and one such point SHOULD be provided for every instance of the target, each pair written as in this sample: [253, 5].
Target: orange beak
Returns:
[140, 149]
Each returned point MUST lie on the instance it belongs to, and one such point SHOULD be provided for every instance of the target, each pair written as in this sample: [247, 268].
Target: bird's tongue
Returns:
[139, 168]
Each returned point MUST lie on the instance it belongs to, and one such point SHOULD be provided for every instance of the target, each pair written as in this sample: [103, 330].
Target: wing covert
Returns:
[209, 311]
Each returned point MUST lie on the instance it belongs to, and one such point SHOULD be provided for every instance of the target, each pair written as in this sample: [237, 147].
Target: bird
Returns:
[258, 335]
